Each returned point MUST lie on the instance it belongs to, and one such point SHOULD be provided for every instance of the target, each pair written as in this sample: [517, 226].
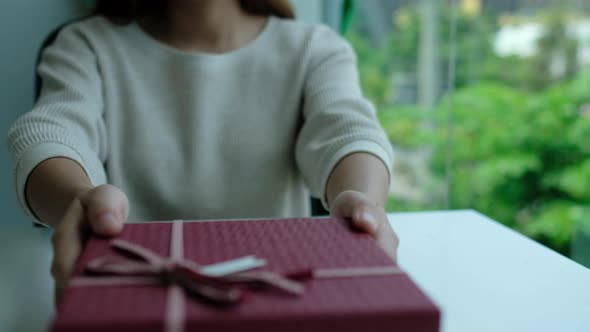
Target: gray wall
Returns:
[23, 26]
[308, 10]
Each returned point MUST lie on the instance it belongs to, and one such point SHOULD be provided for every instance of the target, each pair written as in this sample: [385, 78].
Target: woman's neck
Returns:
[213, 26]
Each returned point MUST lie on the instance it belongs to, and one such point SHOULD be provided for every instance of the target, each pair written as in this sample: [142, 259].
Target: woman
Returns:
[197, 109]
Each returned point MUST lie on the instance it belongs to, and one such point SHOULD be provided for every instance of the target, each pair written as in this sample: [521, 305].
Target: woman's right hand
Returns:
[101, 210]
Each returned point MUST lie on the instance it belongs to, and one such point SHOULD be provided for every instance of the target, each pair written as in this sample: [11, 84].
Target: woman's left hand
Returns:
[367, 216]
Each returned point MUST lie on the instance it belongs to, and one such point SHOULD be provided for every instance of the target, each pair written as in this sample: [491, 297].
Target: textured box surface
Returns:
[368, 303]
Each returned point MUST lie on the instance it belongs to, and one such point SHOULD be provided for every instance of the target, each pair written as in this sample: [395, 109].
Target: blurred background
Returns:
[487, 105]
[486, 102]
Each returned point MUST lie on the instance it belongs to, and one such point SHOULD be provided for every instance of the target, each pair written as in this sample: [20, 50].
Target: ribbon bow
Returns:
[207, 282]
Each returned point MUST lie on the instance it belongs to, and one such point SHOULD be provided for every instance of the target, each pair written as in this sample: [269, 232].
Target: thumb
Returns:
[358, 208]
[364, 219]
[107, 208]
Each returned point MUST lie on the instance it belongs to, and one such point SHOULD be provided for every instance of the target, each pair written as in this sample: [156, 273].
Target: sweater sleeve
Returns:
[67, 120]
[338, 120]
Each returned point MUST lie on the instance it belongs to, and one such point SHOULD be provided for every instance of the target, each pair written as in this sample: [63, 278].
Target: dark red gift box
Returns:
[356, 303]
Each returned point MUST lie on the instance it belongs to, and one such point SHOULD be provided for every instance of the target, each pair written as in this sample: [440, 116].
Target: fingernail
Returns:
[370, 219]
[109, 223]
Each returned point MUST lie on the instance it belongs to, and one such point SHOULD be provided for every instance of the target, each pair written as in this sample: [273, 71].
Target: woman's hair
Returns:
[124, 11]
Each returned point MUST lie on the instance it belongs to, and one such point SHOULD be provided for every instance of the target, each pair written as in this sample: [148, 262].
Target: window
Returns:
[487, 105]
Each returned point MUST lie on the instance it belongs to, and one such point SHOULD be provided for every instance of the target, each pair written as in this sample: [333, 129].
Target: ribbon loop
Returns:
[221, 289]
[136, 251]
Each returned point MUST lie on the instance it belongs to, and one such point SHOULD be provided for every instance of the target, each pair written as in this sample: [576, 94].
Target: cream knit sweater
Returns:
[248, 133]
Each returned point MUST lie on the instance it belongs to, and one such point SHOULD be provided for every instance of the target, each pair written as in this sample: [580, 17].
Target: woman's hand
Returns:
[368, 217]
[102, 210]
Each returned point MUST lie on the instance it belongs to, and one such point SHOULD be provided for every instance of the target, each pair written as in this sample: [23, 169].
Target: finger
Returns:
[364, 217]
[67, 245]
[368, 217]
[388, 240]
[107, 209]
[359, 209]
[341, 206]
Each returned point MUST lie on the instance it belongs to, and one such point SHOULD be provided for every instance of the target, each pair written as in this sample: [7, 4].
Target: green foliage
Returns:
[488, 160]
[553, 224]
[521, 147]
[372, 65]
[573, 180]
[403, 125]
[398, 52]
[581, 241]
[520, 158]
[534, 74]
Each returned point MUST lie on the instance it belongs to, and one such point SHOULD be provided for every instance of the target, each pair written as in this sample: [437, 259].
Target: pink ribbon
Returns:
[144, 266]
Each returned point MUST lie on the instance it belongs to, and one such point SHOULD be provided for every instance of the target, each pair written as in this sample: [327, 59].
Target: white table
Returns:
[484, 276]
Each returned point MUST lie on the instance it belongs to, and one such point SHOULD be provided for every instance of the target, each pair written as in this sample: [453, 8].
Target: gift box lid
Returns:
[372, 303]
